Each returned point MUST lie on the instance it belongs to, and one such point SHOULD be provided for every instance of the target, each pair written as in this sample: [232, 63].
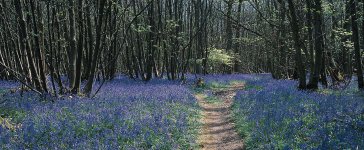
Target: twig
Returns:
[97, 91]
[15, 73]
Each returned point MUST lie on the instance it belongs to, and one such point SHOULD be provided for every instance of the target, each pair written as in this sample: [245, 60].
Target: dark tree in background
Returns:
[355, 38]
[298, 46]
[318, 44]
[54, 46]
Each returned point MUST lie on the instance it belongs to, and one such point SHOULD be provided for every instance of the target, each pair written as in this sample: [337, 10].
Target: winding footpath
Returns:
[218, 129]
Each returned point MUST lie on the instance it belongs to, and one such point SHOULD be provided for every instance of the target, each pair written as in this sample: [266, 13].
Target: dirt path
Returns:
[218, 131]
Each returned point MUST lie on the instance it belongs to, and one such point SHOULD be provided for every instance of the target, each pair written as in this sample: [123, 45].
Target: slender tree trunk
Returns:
[310, 38]
[78, 71]
[237, 36]
[50, 48]
[282, 44]
[346, 56]
[298, 46]
[151, 42]
[25, 45]
[72, 52]
[38, 45]
[229, 32]
[58, 52]
[319, 48]
[355, 38]
[97, 50]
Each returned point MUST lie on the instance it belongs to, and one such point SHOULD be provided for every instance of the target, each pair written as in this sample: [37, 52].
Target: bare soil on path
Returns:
[218, 129]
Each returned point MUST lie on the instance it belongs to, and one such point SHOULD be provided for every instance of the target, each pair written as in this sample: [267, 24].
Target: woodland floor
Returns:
[218, 129]
[224, 112]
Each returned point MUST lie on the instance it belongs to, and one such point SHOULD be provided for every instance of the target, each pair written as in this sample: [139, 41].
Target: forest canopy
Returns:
[43, 42]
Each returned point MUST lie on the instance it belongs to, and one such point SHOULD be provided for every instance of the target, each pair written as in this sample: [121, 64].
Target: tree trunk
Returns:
[72, 51]
[229, 32]
[38, 45]
[25, 45]
[97, 50]
[76, 87]
[237, 36]
[310, 38]
[319, 48]
[151, 42]
[298, 46]
[355, 38]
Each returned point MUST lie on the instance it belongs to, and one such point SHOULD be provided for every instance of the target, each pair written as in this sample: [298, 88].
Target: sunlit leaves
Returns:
[141, 28]
[219, 57]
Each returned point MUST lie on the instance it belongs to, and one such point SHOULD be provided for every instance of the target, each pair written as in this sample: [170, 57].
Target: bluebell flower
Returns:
[117, 118]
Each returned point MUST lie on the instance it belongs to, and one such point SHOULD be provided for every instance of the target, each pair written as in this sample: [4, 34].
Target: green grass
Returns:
[243, 127]
[213, 100]
[16, 115]
[249, 87]
[237, 82]
[194, 125]
[10, 118]
[2, 91]
[220, 86]
[216, 86]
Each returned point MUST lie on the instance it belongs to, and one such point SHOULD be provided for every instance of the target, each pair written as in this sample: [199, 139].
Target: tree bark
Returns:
[25, 45]
[355, 38]
[298, 46]
[319, 48]
[97, 50]
[72, 52]
[76, 87]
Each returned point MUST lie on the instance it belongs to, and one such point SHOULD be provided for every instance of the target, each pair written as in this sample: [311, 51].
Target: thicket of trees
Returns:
[41, 42]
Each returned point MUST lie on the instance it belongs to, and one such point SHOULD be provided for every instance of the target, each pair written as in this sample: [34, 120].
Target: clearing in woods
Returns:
[218, 129]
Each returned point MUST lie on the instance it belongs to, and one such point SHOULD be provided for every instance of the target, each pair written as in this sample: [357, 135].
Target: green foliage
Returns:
[243, 127]
[348, 44]
[219, 57]
[219, 86]
[2, 91]
[342, 32]
[141, 28]
[10, 117]
[15, 114]
[328, 8]
[215, 85]
[248, 40]
[171, 25]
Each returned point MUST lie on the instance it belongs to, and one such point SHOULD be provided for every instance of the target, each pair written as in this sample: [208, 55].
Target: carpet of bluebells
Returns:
[126, 114]
[273, 114]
